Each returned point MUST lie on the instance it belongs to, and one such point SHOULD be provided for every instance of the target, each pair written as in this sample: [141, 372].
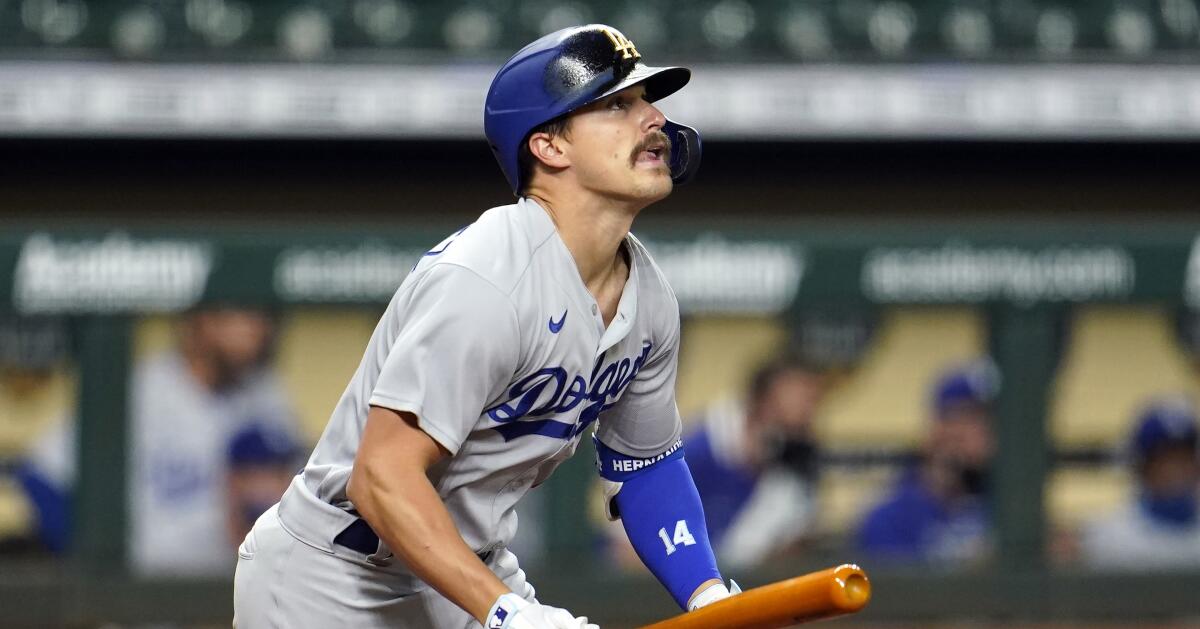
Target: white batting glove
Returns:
[513, 612]
[713, 593]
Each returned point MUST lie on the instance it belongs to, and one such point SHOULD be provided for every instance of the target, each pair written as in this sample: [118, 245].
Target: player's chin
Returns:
[654, 183]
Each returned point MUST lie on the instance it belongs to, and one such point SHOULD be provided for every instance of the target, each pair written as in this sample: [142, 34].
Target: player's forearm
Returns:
[663, 518]
[405, 511]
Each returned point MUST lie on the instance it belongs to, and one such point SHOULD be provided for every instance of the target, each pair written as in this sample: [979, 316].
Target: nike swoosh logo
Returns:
[555, 326]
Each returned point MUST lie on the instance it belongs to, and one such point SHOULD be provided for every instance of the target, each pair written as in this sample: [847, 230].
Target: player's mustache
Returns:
[654, 138]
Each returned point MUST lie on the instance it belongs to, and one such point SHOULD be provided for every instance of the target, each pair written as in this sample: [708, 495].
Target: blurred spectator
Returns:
[211, 447]
[938, 510]
[1160, 529]
[262, 461]
[35, 390]
[754, 462]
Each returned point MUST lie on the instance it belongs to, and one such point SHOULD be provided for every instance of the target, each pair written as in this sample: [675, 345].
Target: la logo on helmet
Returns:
[622, 44]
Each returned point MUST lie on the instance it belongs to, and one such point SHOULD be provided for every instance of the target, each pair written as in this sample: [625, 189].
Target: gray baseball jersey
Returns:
[498, 348]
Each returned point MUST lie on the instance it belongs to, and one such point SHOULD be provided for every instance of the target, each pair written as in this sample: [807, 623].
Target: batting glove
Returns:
[513, 612]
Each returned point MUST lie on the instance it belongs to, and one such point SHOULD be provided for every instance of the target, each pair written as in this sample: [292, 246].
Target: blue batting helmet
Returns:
[1163, 422]
[566, 70]
[977, 382]
[261, 443]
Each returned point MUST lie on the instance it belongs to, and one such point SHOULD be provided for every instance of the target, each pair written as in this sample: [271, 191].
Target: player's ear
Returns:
[547, 148]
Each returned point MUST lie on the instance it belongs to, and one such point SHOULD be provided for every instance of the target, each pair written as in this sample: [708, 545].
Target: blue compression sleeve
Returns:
[661, 511]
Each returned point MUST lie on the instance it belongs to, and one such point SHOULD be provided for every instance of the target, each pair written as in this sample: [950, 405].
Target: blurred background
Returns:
[939, 275]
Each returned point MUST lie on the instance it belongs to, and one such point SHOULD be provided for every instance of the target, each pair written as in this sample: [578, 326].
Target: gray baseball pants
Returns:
[283, 583]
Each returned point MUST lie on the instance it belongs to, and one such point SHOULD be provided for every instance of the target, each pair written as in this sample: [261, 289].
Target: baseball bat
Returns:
[835, 591]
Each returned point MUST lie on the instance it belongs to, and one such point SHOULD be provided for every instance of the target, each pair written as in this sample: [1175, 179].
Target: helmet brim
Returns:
[660, 82]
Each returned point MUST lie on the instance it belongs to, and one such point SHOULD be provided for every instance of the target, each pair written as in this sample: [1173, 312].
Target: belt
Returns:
[361, 538]
[358, 536]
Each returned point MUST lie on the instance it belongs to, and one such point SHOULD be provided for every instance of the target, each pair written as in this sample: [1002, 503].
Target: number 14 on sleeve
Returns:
[682, 537]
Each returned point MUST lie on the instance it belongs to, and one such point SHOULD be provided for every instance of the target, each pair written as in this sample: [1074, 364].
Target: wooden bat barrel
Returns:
[843, 589]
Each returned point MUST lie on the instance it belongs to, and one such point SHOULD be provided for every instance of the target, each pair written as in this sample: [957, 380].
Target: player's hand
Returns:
[513, 612]
[714, 593]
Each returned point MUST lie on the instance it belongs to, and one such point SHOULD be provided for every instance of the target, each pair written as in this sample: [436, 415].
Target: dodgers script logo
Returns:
[552, 391]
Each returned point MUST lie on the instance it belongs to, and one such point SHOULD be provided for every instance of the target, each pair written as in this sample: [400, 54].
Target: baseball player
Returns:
[189, 406]
[1160, 528]
[508, 341]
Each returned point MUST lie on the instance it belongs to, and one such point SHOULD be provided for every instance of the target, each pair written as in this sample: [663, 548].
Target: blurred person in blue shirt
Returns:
[754, 461]
[1159, 528]
[938, 510]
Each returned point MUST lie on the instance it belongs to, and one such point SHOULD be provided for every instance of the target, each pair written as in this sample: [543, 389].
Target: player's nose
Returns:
[652, 118]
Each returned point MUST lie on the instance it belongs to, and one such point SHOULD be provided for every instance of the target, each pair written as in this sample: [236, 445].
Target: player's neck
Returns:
[593, 234]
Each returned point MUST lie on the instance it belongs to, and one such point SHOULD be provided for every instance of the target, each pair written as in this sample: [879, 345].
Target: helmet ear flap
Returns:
[685, 151]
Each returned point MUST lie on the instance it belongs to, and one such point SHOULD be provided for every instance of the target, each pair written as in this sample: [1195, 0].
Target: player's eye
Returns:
[619, 102]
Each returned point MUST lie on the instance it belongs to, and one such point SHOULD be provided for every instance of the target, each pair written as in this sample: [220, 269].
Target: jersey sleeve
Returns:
[456, 347]
[645, 421]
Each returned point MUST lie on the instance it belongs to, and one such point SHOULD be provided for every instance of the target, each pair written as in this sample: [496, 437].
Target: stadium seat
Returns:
[16, 514]
[719, 354]
[1117, 358]
[318, 351]
[884, 403]
[153, 334]
[29, 403]
[1077, 495]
